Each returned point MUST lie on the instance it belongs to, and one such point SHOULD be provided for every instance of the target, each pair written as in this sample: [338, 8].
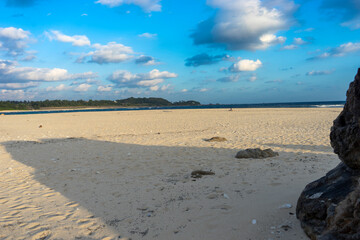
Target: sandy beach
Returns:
[126, 175]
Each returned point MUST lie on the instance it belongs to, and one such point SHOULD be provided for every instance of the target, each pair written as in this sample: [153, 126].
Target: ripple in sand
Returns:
[41, 235]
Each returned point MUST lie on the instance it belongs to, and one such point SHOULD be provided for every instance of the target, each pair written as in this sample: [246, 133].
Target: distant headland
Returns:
[61, 104]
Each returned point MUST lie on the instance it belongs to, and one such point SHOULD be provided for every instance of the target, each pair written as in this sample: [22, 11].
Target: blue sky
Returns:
[212, 51]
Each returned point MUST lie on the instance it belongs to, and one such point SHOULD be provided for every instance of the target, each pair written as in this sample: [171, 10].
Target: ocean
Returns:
[331, 104]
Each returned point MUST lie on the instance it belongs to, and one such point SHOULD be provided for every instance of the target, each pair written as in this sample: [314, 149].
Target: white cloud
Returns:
[14, 33]
[146, 5]
[184, 90]
[148, 35]
[165, 87]
[245, 65]
[18, 85]
[147, 80]
[296, 43]
[76, 40]
[111, 53]
[299, 41]
[148, 83]
[104, 88]
[13, 95]
[13, 40]
[245, 24]
[154, 88]
[146, 60]
[10, 73]
[342, 50]
[82, 87]
[58, 88]
[319, 73]
[203, 90]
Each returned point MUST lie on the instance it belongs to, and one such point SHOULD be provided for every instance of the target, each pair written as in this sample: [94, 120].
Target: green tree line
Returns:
[129, 102]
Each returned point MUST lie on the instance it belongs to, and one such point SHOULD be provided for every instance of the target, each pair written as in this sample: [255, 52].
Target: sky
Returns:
[211, 51]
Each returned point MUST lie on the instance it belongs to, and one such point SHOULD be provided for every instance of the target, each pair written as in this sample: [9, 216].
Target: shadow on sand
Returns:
[142, 191]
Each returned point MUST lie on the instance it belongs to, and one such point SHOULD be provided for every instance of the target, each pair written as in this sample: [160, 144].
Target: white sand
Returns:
[109, 174]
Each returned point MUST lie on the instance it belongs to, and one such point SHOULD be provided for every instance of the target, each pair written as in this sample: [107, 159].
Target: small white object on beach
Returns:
[129, 154]
[253, 221]
[286, 205]
[226, 196]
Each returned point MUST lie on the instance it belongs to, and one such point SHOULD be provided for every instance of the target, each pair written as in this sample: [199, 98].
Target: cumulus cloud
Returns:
[245, 65]
[18, 85]
[319, 73]
[147, 80]
[146, 5]
[245, 24]
[347, 10]
[296, 43]
[146, 60]
[205, 59]
[83, 87]
[148, 35]
[20, 3]
[58, 88]
[300, 41]
[107, 88]
[13, 40]
[340, 51]
[6, 94]
[11, 73]
[110, 53]
[76, 40]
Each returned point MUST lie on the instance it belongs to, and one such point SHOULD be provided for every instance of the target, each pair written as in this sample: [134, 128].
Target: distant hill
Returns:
[128, 102]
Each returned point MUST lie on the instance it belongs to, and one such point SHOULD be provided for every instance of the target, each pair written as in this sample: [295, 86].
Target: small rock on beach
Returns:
[256, 153]
[216, 139]
[200, 173]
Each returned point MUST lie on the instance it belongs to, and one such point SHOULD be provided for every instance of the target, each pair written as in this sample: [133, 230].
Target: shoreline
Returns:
[109, 109]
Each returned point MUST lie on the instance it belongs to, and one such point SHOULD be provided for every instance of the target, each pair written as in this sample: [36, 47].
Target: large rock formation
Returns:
[329, 208]
[345, 134]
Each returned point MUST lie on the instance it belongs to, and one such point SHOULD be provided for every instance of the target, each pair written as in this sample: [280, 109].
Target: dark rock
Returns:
[345, 133]
[216, 139]
[256, 153]
[200, 173]
[329, 208]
